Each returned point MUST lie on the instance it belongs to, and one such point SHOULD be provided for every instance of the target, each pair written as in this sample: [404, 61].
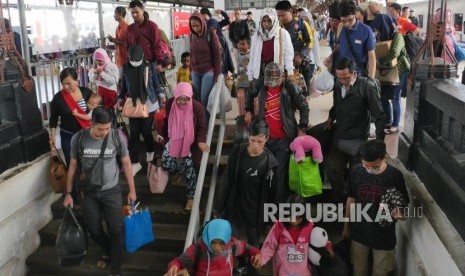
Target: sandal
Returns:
[189, 204]
[103, 261]
[392, 130]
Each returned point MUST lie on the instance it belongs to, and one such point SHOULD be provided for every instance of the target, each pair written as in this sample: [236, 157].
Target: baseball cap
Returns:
[272, 74]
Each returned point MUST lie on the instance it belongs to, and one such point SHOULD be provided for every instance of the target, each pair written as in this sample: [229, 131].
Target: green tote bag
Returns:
[304, 177]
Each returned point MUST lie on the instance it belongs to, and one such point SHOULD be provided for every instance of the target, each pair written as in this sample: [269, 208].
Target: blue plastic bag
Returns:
[137, 230]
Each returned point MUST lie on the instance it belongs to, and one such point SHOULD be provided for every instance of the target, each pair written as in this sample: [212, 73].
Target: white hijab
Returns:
[268, 35]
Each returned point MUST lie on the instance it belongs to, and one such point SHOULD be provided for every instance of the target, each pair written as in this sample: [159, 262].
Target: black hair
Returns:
[249, 13]
[362, 11]
[121, 10]
[283, 6]
[373, 150]
[101, 115]
[295, 199]
[345, 63]
[136, 3]
[245, 38]
[68, 72]
[184, 55]
[7, 24]
[396, 6]
[347, 8]
[333, 10]
[205, 11]
[405, 8]
[259, 127]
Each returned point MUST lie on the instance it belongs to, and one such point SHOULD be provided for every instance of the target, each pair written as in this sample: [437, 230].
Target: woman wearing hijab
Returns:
[138, 85]
[105, 75]
[214, 252]
[206, 59]
[385, 29]
[185, 135]
[270, 43]
[450, 38]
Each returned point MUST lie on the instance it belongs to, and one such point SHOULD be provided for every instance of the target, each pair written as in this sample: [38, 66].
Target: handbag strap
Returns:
[280, 48]
[351, 48]
[58, 154]
[141, 34]
[68, 208]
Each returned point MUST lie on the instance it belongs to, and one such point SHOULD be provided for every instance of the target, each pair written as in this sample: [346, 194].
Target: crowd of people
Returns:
[265, 60]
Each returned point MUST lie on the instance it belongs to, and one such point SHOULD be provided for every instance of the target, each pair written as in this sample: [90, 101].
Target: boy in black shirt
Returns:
[377, 183]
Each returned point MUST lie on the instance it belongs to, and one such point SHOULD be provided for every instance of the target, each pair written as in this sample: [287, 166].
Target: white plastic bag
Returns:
[324, 81]
[225, 99]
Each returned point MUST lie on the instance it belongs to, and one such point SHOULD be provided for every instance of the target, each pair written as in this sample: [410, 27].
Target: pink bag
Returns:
[158, 178]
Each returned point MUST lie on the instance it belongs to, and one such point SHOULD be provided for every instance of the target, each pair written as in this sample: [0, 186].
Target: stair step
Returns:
[44, 261]
[168, 237]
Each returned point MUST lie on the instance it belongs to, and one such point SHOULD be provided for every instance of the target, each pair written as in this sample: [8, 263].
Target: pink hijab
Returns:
[101, 54]
[181, 123]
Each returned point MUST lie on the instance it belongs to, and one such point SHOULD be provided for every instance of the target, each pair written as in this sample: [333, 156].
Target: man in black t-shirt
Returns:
[375, 183]
[247, 184]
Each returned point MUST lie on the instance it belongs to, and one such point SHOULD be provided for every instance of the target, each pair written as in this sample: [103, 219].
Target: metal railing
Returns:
[194, 220]
[46, 73]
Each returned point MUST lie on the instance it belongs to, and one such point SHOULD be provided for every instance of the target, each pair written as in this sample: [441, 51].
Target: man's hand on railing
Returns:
[204, 147]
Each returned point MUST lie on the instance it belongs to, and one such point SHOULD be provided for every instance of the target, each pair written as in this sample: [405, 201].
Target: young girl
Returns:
[105, 75]
[287, 243]
[242, 62]
[214, 253]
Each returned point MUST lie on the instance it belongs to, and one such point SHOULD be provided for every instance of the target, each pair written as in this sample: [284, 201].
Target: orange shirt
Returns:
[405, 25]
[121, 51]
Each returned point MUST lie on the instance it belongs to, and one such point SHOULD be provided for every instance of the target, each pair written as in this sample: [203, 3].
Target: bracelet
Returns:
[67, 193]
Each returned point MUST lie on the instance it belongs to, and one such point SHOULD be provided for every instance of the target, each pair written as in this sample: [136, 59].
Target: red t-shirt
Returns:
[273, 113]
[294, 232]
[268, 51]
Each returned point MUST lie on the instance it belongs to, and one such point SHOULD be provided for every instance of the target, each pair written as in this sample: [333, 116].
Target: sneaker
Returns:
[150, 156]
[136, 167]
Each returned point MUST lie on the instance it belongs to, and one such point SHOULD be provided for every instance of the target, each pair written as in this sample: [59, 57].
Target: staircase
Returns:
[169, 227]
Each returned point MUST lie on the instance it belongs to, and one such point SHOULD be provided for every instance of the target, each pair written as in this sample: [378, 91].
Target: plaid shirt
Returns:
[397, 51]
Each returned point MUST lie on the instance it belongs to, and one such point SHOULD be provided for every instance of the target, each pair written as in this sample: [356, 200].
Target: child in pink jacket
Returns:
[306, 143]
[288, 245]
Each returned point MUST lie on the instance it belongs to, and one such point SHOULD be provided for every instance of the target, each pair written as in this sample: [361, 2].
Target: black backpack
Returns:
[412, 45]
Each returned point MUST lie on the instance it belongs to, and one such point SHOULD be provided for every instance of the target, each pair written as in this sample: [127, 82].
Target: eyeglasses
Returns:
[348, 20]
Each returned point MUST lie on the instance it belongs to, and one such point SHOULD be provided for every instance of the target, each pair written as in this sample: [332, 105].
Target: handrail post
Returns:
[195, 214]
[219, 147]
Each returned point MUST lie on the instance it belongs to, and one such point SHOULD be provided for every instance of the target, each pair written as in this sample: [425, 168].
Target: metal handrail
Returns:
[194, 220]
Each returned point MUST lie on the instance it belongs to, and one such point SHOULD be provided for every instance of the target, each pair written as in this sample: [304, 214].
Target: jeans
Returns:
[65, 137]
[393, 93]
[281, 151]
[138, 126]
[203, 84]
[109, 203]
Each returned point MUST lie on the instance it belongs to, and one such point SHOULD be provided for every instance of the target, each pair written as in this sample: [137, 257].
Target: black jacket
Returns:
[353, 114]
[226, 192]
[291, 99]
[59, 108]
